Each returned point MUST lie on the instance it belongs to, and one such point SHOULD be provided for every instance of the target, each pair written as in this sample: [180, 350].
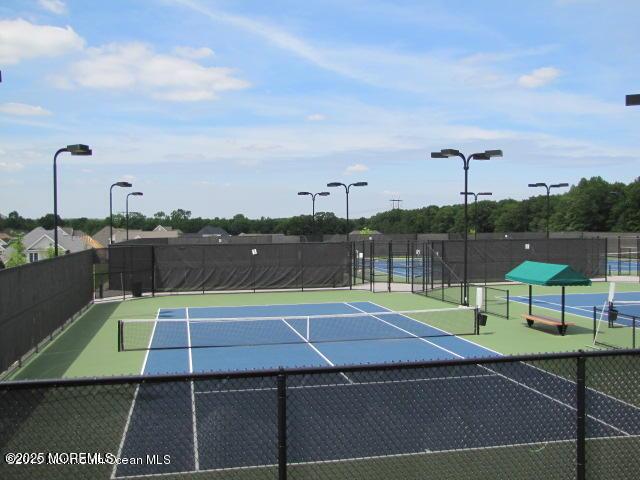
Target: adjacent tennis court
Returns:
[209, 415]
[582, 304]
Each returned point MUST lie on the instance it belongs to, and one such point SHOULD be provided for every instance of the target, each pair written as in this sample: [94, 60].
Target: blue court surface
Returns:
[581, 304]
[230, 424]
[399, 267]
[622, 267]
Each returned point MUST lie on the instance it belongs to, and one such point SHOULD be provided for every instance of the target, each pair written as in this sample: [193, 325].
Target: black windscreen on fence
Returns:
[174, 268]
[490, 260]
[562, 416]
[38, 298]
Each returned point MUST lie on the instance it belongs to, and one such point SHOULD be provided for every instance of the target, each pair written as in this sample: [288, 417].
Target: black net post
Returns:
[581, 418]
[595, 322]
[530, 298]
[282, 425]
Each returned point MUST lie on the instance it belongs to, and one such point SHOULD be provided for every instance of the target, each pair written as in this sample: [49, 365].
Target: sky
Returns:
[223, 107]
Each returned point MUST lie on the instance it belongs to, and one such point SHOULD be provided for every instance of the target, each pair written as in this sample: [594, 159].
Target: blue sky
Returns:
[225, 107]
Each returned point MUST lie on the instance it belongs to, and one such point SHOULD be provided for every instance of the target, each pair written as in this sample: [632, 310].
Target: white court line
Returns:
[524, 363]
[395, 455]
[501, 375]
[588, 309]
[324, 357]
[194, 421]
[135, 397]
[340, 385]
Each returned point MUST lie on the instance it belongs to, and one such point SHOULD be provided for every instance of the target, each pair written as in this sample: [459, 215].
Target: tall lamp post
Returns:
[475, 208]
[137, 194]
[313, 200]
[313, 204]
[486, 155]
[632, 100]
[80, 150]
[548, 188]
[117, 184]
[347, 188]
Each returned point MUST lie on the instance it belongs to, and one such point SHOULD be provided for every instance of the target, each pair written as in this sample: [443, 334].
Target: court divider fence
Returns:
[561, 416]
[38, 299]
[139, 269]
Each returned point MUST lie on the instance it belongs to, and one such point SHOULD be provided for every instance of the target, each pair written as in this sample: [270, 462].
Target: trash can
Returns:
[612, 316]
[136, 289]
[482, 319]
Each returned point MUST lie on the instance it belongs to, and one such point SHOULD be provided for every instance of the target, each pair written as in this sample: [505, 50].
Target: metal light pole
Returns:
[80, 150]
[117, 184]
[632, 100]
[347, 188]
[486, 155]
[475, 208]
[548, 188]
[138, 194]
[313, 201]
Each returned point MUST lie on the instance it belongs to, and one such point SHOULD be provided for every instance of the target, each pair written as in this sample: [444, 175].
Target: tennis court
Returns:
[582, 304]
[214, 423]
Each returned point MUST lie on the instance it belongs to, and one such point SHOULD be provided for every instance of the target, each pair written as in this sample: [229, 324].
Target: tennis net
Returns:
[147, 334]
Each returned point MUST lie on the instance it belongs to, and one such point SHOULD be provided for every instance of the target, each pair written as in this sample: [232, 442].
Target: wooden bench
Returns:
[531, 319]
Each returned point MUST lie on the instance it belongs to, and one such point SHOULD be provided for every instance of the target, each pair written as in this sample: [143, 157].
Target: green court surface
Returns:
[88, 347]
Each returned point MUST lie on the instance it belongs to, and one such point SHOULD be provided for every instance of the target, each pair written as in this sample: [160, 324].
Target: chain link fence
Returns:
[562, 416]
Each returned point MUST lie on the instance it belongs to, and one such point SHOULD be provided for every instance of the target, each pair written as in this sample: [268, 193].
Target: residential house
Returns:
[213, 231]
[120, 234]
[39, 241]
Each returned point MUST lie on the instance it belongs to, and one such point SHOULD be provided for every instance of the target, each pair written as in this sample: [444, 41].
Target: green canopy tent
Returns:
[548, 275]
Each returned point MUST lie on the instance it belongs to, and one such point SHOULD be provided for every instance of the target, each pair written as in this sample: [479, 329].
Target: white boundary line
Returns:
[508, 378]
[396, 455]
[340, 385]
[194, 421]
[313, 347]
[582, 309]
[135, 397]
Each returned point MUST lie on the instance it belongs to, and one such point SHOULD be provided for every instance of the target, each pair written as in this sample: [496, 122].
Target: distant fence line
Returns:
[627, 239]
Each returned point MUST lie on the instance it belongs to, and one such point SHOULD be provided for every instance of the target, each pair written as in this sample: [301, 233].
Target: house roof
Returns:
[547, 274]
[212, 230]
[120, 234]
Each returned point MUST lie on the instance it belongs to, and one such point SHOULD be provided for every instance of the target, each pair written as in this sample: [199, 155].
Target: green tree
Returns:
[17, 256]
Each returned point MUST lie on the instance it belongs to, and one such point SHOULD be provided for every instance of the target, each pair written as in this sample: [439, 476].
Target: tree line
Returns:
[592, 205]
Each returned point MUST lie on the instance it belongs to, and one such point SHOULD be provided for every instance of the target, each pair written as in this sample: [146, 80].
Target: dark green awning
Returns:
[547, 274]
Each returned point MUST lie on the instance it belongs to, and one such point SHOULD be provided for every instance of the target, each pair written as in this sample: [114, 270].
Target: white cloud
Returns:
[10, 167]
[128, 178]
[539, 77]
[193, 53]
[356, 168]
[20, 40]
[135, 66]
[23, 110]
[54, 6]
[316, 117]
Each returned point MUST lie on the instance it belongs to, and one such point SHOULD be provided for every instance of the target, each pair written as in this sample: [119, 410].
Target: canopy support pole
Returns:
[530, 295]
[563, 302]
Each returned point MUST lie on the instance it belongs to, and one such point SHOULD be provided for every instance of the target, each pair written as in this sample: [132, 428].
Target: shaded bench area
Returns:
[547, 274]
